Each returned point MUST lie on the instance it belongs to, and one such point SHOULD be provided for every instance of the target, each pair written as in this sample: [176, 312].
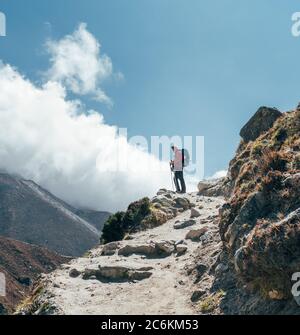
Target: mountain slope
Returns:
[31, 214]
[96, 218]
[22, 263]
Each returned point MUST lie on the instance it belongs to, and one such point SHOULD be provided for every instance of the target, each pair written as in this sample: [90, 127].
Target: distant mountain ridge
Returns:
[31, 214]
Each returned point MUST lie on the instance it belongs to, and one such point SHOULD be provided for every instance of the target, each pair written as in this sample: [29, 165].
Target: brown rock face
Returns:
[261, 121]
[260, 223]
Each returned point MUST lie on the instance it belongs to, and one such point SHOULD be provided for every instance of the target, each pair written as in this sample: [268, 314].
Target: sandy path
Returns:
[167, 291]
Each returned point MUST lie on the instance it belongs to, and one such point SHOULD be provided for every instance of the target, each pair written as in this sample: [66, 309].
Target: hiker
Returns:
[177, 166]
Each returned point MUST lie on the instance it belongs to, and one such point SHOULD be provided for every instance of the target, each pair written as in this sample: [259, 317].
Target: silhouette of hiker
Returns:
[177, 165]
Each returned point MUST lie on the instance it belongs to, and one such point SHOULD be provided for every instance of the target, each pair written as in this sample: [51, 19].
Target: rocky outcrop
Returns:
[260, 122]
[214, 188]
[144, 214]
[259, 224]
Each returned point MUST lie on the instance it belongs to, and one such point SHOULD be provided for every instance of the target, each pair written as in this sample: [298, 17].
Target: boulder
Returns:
[184, 224]
[260, 122]
[195, 235]
[145, 249]
[110, 248]
[181, 250]
[117, 274]
[203, 186]
[164, 248]
[151, 250]
[74, 273]
[195, 213]
[162, 191]
[196, 296]
[182, 203]
[213, 188]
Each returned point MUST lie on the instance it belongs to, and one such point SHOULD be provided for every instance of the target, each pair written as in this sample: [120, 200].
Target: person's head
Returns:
[173, 147]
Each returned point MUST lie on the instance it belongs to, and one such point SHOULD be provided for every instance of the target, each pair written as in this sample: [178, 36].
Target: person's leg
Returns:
[182, 182]
[176, 177]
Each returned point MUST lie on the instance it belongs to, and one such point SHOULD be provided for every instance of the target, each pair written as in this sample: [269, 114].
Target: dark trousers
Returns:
[178, 177]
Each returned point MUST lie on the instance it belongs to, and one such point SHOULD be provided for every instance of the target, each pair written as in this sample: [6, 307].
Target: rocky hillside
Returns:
[22, 264]
[31, 214]
[231, 248]
[260, 223]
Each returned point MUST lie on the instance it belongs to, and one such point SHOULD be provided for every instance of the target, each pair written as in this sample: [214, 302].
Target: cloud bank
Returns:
[58, 143]
[76, 62]
[70, 151]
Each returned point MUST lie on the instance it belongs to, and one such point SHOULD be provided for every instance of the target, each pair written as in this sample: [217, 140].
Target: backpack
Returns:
[185, 158]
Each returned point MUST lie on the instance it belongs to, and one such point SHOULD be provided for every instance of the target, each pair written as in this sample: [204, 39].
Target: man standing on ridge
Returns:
[177, 165]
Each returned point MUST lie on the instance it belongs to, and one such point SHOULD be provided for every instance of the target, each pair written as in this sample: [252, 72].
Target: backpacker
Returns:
[185, 158]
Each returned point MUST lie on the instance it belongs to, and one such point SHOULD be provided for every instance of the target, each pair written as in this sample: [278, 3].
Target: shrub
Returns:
[113, 228]
[121, 223]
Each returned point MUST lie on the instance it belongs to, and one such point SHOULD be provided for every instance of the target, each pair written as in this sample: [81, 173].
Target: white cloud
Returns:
[69, 150]
[76, 62]
[55, 142]
[218, 174]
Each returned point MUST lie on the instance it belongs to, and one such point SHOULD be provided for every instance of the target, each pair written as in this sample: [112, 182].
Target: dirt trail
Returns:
[165, 287]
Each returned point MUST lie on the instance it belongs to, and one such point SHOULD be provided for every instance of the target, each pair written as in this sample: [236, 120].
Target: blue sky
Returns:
[191, 67]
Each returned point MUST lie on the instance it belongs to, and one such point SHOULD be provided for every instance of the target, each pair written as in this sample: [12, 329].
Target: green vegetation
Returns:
[121, 223]
[212, 302]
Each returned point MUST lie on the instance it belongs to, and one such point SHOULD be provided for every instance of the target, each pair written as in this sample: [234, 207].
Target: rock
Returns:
[110, 248]
[151, 250]
[182, 203]
[116, 274]
[213, 188]
[194, 213]
[203, 186]
[174, 211]
[163, 202]
[162, 191]
[195, 235]
[157, 205]
[164, 248]
[74, 273]
[146, 249]
[197, 271]
[128, 238]
[168, 195]
[220, 269]
[196, 296]
[260, 122]
[203, 221]
[184, 224]
[25, 281]
[181, 250]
